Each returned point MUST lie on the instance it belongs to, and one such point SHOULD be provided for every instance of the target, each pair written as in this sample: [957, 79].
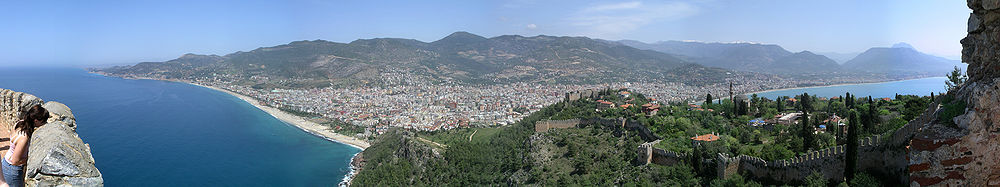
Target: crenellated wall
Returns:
[57, 156]
[886, 155]
[545, 125]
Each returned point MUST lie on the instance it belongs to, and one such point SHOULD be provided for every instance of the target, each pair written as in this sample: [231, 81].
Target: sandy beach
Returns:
[308, 126]
[297, 121]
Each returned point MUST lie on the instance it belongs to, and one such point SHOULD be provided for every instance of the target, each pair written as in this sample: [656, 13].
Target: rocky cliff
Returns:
[57, 156]
[962, 151]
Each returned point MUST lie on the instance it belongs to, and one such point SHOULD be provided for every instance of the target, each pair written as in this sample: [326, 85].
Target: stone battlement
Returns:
[582, 94]
[545, 125]
[875, 153]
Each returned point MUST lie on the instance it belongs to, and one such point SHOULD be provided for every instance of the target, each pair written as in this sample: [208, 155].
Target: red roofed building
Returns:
[602, 104]
[625, 106]
[650, 108]
[704, 138]
[791, 101]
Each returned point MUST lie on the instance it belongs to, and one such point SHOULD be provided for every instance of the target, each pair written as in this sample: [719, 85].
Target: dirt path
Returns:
[432, 142]
[473, 134]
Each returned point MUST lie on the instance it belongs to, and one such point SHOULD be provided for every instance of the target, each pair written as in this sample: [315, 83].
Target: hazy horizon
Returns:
[102, 32]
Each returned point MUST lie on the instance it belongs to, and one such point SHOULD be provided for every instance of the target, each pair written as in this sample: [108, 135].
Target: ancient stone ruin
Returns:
[963, 152]
[57, 156]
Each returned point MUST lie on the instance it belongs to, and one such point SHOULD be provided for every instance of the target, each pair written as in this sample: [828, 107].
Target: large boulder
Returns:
[60, 112]
[56, 156]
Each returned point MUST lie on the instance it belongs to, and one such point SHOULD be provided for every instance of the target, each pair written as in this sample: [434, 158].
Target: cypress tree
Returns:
[781, 106]
[807, 132]
[872, 115]
[852, 146]
[806, 103]
[849, 101]
[708, 99]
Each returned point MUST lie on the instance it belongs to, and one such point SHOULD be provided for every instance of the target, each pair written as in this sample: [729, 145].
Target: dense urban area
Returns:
[428, 107]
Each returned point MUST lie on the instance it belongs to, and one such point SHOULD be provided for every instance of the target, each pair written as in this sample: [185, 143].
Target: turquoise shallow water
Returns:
[922, 87]
[157, 133]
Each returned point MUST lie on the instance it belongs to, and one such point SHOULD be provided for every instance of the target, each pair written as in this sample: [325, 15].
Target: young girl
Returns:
[17, 156]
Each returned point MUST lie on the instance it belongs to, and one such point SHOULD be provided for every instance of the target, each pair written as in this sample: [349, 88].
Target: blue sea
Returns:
[158, 133]
[921, 87]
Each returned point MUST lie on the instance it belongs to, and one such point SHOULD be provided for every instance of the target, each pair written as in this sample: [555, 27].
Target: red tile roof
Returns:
[706, 138]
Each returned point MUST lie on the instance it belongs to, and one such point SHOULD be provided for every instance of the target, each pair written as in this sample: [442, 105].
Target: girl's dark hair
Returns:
[34, 113]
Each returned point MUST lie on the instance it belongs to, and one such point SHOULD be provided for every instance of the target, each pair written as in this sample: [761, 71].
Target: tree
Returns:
[833, 128]
[864, 180]
[849, 101]
[872, 116]
[852, 146]
[708, 99]
[806, 103]
[807, 132]
[815, 180]
[955, 78]
[781, 106]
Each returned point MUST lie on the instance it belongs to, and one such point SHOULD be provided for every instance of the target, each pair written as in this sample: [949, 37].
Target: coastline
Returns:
[297, 121]
[832, 85]
[308, 126]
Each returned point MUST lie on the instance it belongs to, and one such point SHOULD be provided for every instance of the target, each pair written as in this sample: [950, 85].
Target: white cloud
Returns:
[532, 26]
[611, 7]
[610, 20]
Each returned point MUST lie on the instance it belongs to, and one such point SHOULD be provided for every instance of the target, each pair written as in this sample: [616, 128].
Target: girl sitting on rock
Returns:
[17, 156]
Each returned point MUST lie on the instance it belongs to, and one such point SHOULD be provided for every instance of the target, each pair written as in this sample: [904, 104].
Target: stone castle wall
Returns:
[885, 155]
[13, 104]
[874, 155]
[57, 156]
[619, 126]
[545, 125]
[582, 94]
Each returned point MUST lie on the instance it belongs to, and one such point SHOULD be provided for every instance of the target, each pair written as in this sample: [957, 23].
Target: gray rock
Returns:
[974, 23]
[57, 164]
[58, 156]
[60, 112]
[991, 4]
[58, 109]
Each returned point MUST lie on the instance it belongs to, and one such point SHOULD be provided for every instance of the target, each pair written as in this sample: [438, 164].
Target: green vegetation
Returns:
[864, 180]
[342, 127]
[951, 108]
[955, 78]
[597, 156]
[815, 180]
[852, 147]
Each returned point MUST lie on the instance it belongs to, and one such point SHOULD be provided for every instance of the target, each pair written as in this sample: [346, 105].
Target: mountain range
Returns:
[458, 58]
[466, 58]
[901, 59]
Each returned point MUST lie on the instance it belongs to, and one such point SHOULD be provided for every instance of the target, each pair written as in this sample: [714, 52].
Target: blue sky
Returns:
[81, 33]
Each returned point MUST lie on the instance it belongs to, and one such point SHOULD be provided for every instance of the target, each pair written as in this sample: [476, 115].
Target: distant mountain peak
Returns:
[462, 36]
[192, 56]
[903, 45]
[806, 53]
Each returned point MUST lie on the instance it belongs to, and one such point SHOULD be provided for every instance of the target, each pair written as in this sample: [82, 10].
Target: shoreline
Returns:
[297, 121]
[293, 120]
[832, 85]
